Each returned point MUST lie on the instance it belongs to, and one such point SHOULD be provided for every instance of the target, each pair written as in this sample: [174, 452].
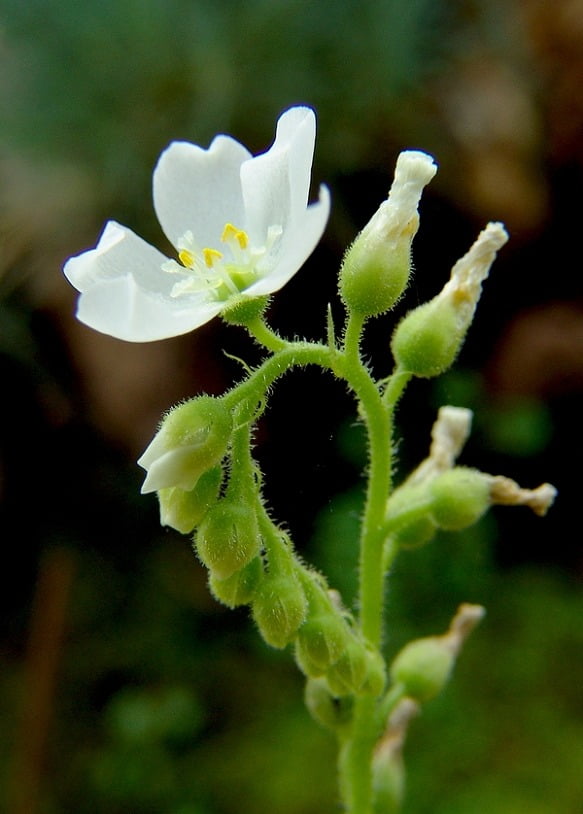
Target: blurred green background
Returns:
[124, 687]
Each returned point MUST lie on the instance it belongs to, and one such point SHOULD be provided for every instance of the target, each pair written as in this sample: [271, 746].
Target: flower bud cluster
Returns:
[329, 648]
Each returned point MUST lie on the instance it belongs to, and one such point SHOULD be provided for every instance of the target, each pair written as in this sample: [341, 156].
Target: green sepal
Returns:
[279, 608]
[243, 309]
[240, 587]
[326, 709]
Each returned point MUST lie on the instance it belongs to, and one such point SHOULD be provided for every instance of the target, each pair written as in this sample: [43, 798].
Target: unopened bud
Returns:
[428, 339]
[183, 510]
[228, 538]
[240, 587]
[192, 439]
[349, 673]
[320, 642]
[322, 637]
[279, 608]
[376, 268]
[408, 516]
[331, 712]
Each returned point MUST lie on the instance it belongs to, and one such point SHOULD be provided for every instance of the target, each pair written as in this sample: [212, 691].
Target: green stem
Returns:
[356, 754]
[242, 483]
[250, 393]
[396, 384]
[265, 335]
[378, 420]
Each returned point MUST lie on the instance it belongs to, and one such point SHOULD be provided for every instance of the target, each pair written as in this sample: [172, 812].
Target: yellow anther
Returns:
[231, 232]
[186, 258]
[211, 256]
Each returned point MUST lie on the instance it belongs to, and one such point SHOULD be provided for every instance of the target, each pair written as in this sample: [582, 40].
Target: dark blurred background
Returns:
[124, 687]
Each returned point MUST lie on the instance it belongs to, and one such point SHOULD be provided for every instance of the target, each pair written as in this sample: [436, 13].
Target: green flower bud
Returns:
[228, 538]
[423, 667]
[349, 673]
[426, 342]
[183, 510]
[460, 497]
[279, 608]
[192, 439]
[417, 534]
[376, 268]
[332, 713]
[409, 517]
[240, 587]
[321, 640]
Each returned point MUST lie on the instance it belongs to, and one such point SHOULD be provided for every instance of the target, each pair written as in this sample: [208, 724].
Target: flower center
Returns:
[220, 273]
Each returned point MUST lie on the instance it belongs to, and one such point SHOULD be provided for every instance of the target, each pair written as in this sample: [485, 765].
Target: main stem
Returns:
[247, 398]
[356, 752]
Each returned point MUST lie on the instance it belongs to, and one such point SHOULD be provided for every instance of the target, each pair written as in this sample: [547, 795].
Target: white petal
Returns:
[276, 183]
[199, 190]
[119, 251]
[174, 468]
[157, 447]
[125, 293]
[298, 244]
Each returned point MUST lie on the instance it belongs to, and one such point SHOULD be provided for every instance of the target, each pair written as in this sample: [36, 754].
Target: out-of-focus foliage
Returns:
[164, 703]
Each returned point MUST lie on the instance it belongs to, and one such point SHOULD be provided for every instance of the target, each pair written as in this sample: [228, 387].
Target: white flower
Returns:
[241, 226]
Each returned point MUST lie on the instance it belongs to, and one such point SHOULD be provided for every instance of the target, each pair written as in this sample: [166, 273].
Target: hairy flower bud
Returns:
[376, 268]
[460, 497]
[428, 339]
[192, 439]
[279, 608]
[408, 515]
[349, 673]
[183, 510]
[240, 587]
[228, 538]
[331, 712]
[320, 642]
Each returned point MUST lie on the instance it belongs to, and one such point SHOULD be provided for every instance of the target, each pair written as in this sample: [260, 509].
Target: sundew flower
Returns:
[241, 227]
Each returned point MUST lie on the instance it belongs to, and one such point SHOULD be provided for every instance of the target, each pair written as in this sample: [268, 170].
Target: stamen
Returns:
[211, 256]
[186, 258]
[231, 232]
